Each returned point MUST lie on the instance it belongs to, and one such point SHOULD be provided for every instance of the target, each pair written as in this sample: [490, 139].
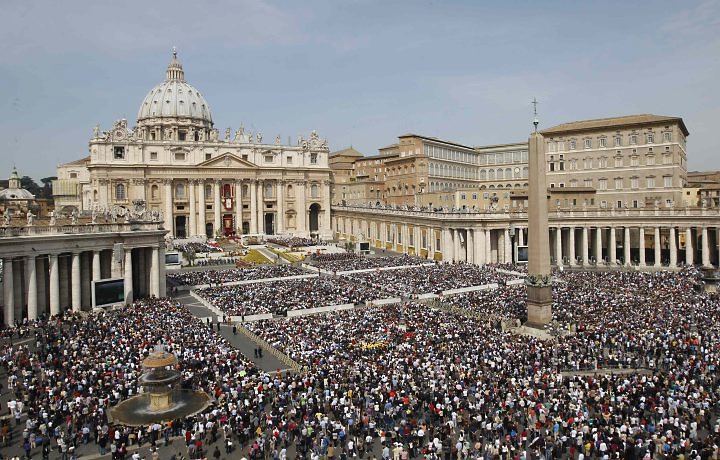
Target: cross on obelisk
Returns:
[539, 290]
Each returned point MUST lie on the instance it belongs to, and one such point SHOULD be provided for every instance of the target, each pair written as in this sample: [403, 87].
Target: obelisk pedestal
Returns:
[538, 281]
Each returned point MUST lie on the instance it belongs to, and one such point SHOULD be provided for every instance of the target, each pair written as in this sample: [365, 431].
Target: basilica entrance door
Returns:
[180, 223]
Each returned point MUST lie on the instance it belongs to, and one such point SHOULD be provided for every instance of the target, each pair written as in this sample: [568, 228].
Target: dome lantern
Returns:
[175, 70]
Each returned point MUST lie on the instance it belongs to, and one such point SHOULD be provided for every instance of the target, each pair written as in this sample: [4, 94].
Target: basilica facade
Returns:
[202, 182]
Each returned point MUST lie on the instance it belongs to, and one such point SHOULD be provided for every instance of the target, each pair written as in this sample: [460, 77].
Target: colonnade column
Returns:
[128, 276]
[673, 248]
[488, 246]
[96, 273]
[54, 284]
[571, 237]
[470, 246]
[480, 257]
[9, 292]
[300, 207]
[558, 246]
[705, 248]
[238, 206]
[217, 210]
[455, 234]
[75, 282]
[626, 246]
[641, 243]
[281, 208]
[201, 205]
[447, 245]
[326, 208]
[521, 236]
[155, 273]
[688, 246]
[168, 218]
[32, 296]
[585, 247]
[253, 207]
[612, 246]
[508, 246]
[656, 246]
[192, 227]
[598, 245]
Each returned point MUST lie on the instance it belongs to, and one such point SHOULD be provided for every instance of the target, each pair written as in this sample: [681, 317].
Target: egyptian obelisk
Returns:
[539, 290]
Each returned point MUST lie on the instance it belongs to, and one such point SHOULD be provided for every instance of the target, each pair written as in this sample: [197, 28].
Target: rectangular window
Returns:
[618, 141]
[474, 196]
[603, 162]
[619, 204]
[588, 182]
[73, 175]
[667, 181]
[634, 183]
[572, 145]
[603, 142]
[650, 138]
[633, 139]
[667, 159]
[313, 158]
[634, 161]
[650, 182]
[179, 156]
[289, 159]
[208, 156]
[268, 158]
[602, 184]
[119, 152]
[650, 160]
[153, 156]
[635, 203]
[667, 136]
[618, 183]
[588, 143]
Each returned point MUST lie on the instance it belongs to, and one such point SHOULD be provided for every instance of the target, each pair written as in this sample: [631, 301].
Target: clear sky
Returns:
[360, 72]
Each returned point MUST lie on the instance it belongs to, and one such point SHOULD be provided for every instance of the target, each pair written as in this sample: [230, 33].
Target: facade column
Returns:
[612, 247]
[192, 224]
[155, 272]
[571, 237]
[689, 259]
[585, 247]
[470, 246]
[128, 276]
[75, 282]
[96, 273]
[479, 246]
[54, 284]
[656, 246]
[521, 236]
[253, 207]
[673, 248]
[281, 208]
[238, 206]
[217, 207]
[508, 246]
[641, 243]
[301, 208]
[705, 248]
[9, 292]
[168, 218]
[598, 245]
[500, 247]
[457, 247]
[558, 246]
[162, 288]
[32, 290]
[447, 245]
[261, 206]
[201, 208]
[626, 246]
[325, 224]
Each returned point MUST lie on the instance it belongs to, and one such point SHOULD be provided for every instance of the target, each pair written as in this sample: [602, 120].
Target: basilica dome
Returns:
[175, 98]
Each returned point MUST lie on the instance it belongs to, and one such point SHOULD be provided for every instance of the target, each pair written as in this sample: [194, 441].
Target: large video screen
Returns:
[522, 254]
[172, 258]
[364, 246]
[108, 291]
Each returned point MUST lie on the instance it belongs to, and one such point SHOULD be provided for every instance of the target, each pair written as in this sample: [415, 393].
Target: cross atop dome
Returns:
[175, 69]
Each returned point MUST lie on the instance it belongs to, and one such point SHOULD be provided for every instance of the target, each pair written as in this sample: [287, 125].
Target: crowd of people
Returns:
[278, 297]
[345, 261]
[213, 261]
[195, 247]
[398, 381]
[293, 242]
[217, 277]
[431, 279]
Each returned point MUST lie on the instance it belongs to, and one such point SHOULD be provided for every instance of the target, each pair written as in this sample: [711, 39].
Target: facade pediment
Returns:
[226, 160]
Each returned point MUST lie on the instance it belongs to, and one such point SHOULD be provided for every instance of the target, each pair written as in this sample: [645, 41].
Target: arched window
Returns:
[483, 174]
[491, 174]
[180, 191]
[120, 191]
[208, 192]
[154, 192]
[290, 191]
[508, 173]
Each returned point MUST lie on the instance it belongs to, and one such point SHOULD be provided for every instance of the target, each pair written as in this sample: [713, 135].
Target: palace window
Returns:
[634, 183]
[153, 156]
[602, 184]
[268, 158]
[618, 183]
[119, 152]
[633, 139]
[313, 158]
[588, 143]
[180, 156]
[603, 142]
[667, 181]
[618, 141]
[651, 182]
[572, 145]
[180, 191]
[650, 138]
[667, 136]
[120, 191]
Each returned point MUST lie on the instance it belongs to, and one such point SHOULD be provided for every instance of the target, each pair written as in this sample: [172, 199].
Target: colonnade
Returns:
[571, 244]
[49, 283]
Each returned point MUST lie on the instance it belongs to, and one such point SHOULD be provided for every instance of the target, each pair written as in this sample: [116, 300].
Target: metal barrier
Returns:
[285, 359]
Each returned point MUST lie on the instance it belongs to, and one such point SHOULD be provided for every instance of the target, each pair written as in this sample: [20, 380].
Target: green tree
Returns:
[31, 186]
[47, 186]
